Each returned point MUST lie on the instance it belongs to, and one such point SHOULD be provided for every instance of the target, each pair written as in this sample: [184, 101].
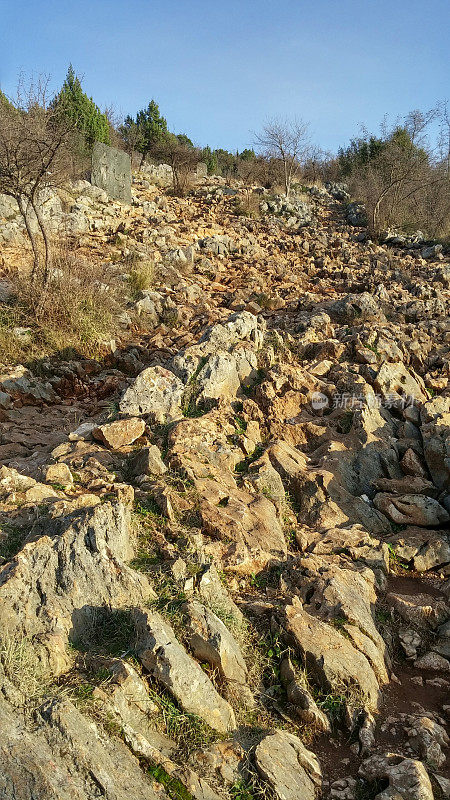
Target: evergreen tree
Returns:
[82, 111]
[184, 139]
[247, 155]
[210, 159]
[4, 102]
[146, 130]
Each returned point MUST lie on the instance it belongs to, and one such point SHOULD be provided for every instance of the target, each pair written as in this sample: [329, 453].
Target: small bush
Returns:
[76, 311]
[141, 277]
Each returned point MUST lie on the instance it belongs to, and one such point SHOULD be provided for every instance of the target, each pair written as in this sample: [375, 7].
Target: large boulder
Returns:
[290, 769]
[64, 756]
[408, 778]
[330, 657]
[211, 641]
[240, 327]
[166, 660]
[425, 548]
[155, 392]
[120, 433]
[111, 171]
[398, 385]
[72, 566]
[435, 416]
[412, 509]
[357, 308]
[348, 597]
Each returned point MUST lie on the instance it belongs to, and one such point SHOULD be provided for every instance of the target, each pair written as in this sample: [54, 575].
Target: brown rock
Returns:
[120, 433]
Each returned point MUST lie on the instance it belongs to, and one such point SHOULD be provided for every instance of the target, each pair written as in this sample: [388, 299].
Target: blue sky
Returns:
[219, 69]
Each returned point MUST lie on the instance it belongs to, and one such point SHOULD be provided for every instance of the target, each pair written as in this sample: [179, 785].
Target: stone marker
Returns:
[111, 171]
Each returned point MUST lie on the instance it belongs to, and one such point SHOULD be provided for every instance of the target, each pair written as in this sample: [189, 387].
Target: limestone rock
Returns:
[155, 392]
[305, 706]
[120, 433]
[59, 473]
[412, 509]
[222, 337]
[425, 548]
[435, 429]
[407, 778]
[64, 756]
[290, 769]
[111, 171]
[72, 567]
[166, 660]
[211, 641]
[396, 383]
[329, 656]
[420, 609]
[147, 461]
[355, 307]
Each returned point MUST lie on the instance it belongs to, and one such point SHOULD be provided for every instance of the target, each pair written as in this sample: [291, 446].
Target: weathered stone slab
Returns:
[111, 171]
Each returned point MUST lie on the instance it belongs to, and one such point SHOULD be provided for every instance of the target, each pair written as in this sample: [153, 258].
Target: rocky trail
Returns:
[225, 547]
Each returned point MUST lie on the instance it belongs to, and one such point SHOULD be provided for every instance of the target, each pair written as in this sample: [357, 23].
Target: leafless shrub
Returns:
[37, 153]
[182, 157]
[405, 181]
[287, 142]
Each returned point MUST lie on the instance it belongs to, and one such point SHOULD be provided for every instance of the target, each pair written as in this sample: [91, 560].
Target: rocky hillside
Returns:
[225, 544]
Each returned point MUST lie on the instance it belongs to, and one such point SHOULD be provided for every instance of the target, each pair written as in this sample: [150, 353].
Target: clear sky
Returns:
[219, 69]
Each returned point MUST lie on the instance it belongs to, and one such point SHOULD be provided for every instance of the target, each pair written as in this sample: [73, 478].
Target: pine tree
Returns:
[82, 111]
[210, 159]
[152, 126]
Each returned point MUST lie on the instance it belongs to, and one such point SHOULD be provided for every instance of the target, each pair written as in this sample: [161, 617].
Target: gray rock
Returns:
[5, 400]
[196, 786]
[357, 307]
[147, 461]
[64, 756]
[214, 594]
[339, 191]
[290, 769]
[222, 337]
[412, 509]
[330, 657]
[72, 566]
[211, 641]
[218, 378]
[111, 171]
[407, 778]
[350, 595]
[155, 392]
[305, 706]
[131, 704]
[410, 641]
[435, 430]
[431, 251]
[356, 214]
[163, 656]
[397, 384]
[28, 389]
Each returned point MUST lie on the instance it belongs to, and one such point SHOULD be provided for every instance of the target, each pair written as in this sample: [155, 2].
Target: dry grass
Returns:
[140, 277]
[247, 205]
[23, 668]
[75, 312]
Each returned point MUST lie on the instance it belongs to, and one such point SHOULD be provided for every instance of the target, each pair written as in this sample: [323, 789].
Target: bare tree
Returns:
[36, 153]
[181, 156]
[401, 180]
[285, 140]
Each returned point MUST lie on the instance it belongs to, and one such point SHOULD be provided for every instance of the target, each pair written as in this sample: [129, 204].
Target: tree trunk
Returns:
[34, 245]
[287, 182]
[47, 250]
